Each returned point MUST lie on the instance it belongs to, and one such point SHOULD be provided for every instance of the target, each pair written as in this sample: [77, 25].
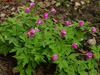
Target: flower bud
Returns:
[36, 29]
[54, 57]
[27, 10]
[31, 4]
[93, 29]
[66, 23]
[89, 55]
[53, 10]
[74, 45]
[81, 23]
[63, 32]
[39, 21]
[56, 28]
[45, 15]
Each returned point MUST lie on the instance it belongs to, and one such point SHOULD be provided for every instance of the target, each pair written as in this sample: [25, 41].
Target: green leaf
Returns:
[84, 73]
[73, 56]
[4, 49]
[58, 4]
[61, 66]
[29, 70]
[1, 37]
[25, 60]
[93, 72]
[22, 72]
[13, 40]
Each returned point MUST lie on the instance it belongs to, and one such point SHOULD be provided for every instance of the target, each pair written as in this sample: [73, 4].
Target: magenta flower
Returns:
[93, 29]
[30, 33]
[63, 32]
[56, 28]
[39, 21]
[45, 15]
[66, 23]
[36, 29]
[27, 10]
[74, 45]
[54, 57]
[81, 23]
[31, 4]
[53, 10]
[89, 55]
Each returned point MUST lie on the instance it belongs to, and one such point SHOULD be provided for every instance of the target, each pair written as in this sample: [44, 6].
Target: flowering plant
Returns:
[36, 40]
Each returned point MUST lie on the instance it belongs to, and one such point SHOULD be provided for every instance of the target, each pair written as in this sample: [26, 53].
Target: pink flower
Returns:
[81, 23]
[39, 21]
[63, 32]
[31, 4]
[54, 57]
[30, 33]
[93, 29]
[89, 55]
[27, 10]
[45, 15]
[66, 23]
[36, 29]
[53, 10]
[74, 45]
[56, 28]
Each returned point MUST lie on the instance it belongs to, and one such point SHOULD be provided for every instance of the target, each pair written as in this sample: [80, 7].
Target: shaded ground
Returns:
[78, 9]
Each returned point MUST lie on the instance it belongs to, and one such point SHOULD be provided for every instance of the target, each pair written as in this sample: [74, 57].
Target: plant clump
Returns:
[35, 40]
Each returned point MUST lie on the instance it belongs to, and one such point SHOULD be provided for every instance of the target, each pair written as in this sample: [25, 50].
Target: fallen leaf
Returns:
[92, 41]
[53, 2]
[47, 4]
[97, 29]
[32, 0]
[14, 70]
[2, 15]
[81, 50]
[41, 4]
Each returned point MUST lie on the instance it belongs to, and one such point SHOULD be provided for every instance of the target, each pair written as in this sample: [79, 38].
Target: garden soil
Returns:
[78, 9]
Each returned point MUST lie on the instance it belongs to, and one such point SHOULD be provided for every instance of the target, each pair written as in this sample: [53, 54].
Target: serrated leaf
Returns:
[1, 37]
[60, 66]
[25, 61]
